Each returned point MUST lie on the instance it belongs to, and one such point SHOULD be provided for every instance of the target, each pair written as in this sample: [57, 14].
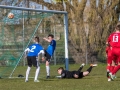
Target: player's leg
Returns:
[48, 69]
[35, 63]
[89, 69]
[112, 66]
[112, 74]
[109, 62]
[48, 59]
[78, 73]
[81, 67]
[29, 67]
[116, 64]
[108, 56]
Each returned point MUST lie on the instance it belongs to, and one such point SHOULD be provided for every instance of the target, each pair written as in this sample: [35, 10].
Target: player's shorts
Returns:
[48, 56]
[109, 57]
[80, 74]
[116, 53]
[32, 61]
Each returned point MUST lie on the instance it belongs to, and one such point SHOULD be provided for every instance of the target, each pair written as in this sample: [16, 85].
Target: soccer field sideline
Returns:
[95, 81]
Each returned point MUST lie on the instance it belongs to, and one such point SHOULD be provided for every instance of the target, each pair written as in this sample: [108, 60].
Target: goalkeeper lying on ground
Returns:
[75, 74]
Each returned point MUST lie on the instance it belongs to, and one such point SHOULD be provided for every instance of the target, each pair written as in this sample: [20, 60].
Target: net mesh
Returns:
[17, 33]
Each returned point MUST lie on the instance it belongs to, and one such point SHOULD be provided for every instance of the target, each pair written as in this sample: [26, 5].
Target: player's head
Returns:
[60, 69]
[117, 28]
[36, 39]
[50, 37]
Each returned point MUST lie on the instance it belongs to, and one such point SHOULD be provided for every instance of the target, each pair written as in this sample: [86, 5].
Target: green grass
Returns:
[96, 80]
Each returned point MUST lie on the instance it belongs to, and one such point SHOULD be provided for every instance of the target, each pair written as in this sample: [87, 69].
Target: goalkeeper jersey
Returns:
[69, 74]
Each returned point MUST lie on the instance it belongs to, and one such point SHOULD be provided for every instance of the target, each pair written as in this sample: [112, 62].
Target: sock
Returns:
[81, 67]
[89, 69]
[108, 74]
[111, 68]
[37, 73]
[48, 70]
[108, 71]
[115, 69]
[27, 72]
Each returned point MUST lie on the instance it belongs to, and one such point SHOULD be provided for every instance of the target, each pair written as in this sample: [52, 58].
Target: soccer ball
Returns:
[10, 15]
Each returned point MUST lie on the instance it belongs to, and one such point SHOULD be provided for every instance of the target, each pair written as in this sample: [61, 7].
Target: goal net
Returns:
[17, 34]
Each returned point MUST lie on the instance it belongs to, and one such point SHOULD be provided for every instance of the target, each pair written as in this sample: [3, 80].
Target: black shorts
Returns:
[48, 56]
[80, 74]
[32, 61]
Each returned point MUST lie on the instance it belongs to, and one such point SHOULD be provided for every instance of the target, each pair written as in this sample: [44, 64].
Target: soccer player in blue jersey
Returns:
[49, 52]
[32, 53]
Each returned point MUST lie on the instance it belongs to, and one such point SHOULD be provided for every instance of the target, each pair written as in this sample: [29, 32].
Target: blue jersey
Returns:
[34, 49]
[50, 49]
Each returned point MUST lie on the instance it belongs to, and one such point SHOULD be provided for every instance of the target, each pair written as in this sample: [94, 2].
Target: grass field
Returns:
[95, 81]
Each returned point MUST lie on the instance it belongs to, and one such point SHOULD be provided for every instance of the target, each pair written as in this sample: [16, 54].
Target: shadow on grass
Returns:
[49, 80]
[52, 78]
[115, 80]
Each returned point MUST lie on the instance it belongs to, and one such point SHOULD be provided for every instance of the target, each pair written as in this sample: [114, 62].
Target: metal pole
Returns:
[55, 51]
[23, 37]
[66, 40]
[86, 52]
[87, 30]
[30, 9]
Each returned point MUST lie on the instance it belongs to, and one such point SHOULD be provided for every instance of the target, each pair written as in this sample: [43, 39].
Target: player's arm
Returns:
[108, 40]
[41, 52]
[46, 39]
[63, 75]
[26, 51]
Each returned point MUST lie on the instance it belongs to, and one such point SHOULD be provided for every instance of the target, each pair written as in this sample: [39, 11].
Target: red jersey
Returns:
[114, 39]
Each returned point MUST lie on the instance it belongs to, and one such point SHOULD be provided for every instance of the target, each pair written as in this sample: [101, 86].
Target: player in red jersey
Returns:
[114, 41]
[110, 62]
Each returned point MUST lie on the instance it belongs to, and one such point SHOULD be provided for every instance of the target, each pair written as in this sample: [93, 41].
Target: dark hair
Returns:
[60, 68]
[50, 35]
[37, 39]
[117, 27]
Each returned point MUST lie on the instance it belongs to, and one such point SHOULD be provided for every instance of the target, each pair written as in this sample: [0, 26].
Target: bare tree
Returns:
[99, 17]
